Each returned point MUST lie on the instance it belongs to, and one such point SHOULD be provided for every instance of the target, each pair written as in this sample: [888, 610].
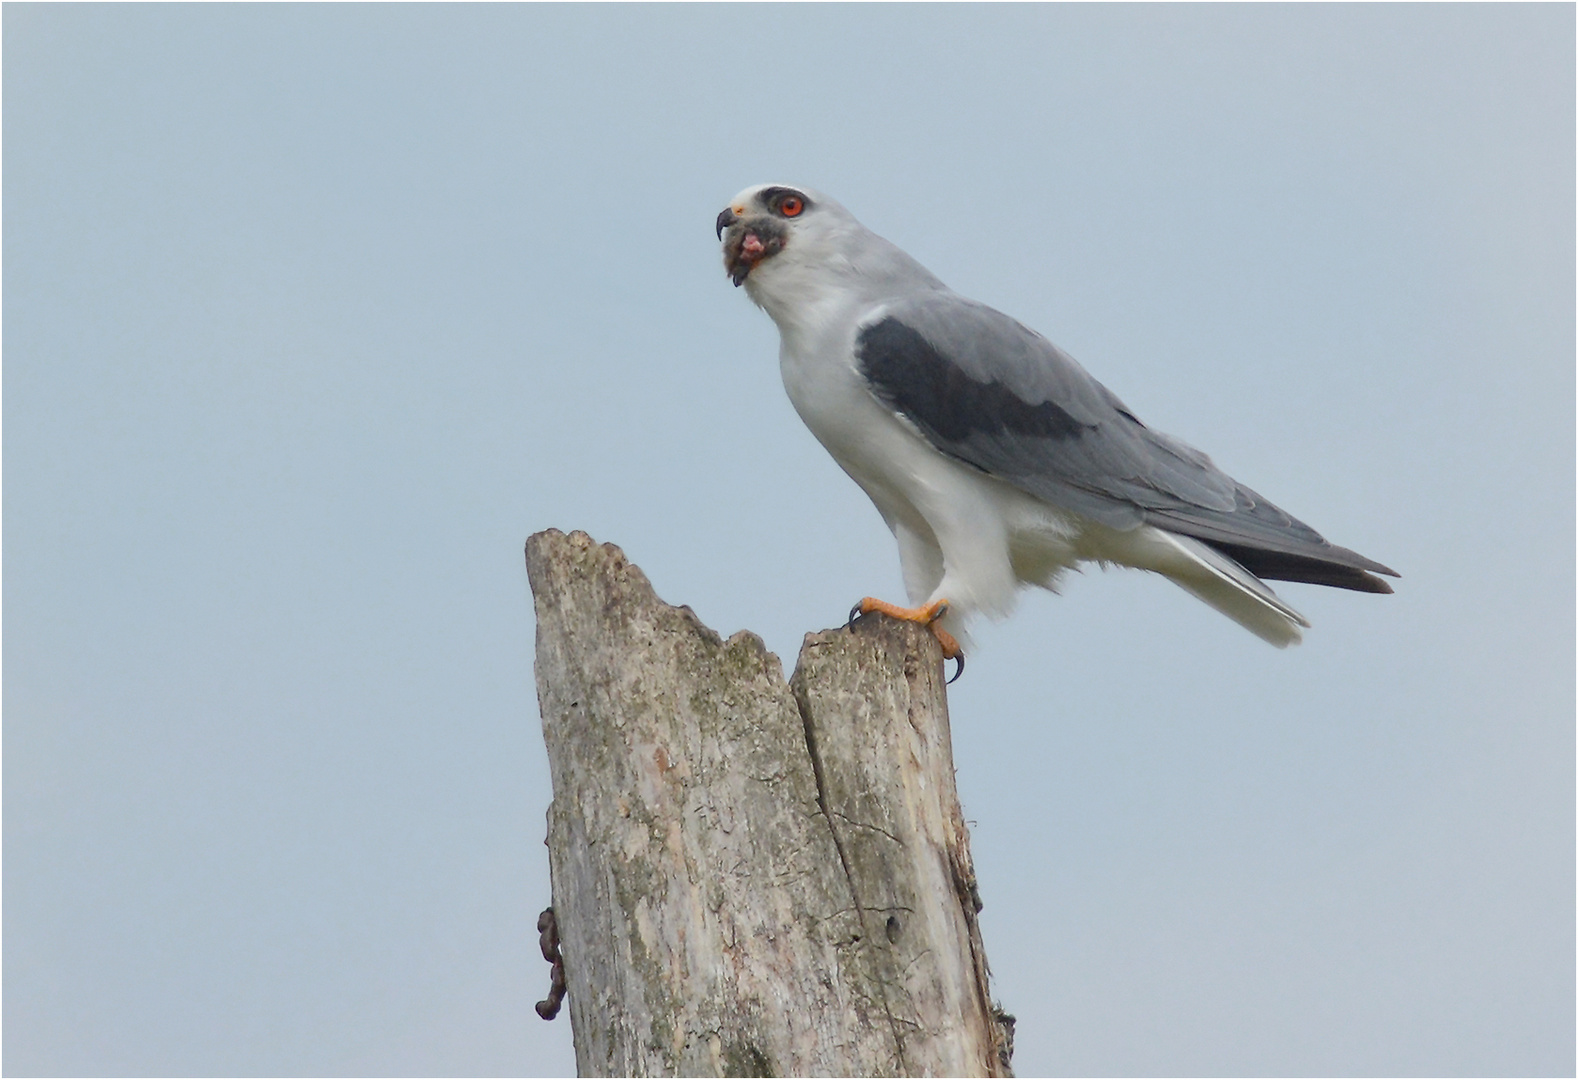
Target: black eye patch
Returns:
[774, 197]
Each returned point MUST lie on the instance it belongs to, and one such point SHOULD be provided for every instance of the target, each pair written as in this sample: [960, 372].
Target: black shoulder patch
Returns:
[910, 375]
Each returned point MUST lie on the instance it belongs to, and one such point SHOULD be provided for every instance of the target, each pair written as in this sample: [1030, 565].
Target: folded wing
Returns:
[988, 391]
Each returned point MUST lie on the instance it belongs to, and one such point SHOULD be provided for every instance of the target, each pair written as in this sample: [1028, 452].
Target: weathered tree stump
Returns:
[752, 877]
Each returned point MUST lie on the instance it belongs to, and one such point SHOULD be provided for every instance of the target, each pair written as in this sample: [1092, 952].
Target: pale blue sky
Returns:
[312, 314]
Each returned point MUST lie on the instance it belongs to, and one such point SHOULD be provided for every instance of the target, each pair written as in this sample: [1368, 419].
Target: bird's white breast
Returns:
[818, 363]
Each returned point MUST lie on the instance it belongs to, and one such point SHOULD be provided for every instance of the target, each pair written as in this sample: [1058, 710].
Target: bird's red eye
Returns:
[791, 207]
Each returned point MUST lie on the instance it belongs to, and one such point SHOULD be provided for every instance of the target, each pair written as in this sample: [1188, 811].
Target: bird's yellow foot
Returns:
[927, 616]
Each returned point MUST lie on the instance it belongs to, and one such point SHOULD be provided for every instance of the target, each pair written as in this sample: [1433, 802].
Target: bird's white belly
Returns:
[962, 535]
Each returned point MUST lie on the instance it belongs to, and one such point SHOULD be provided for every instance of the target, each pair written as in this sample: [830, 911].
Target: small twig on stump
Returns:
[548, 940]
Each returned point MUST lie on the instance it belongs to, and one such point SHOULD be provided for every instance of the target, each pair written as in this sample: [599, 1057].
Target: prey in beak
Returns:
[749, 241]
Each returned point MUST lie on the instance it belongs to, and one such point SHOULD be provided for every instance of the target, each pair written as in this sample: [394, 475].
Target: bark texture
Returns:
[752, 877]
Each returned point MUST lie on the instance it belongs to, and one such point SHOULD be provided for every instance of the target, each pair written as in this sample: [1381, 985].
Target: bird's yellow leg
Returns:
[927, 616]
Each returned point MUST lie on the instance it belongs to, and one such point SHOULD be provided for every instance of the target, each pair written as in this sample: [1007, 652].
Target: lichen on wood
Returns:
[752, 877]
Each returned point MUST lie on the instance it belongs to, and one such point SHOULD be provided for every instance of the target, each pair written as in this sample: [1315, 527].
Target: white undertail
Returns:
[1234, 591]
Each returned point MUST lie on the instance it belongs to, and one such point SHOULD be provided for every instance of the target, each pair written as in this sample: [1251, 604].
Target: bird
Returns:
[994, 458]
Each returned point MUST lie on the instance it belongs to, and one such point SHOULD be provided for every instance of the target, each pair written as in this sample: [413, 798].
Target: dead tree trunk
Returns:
[752, 877]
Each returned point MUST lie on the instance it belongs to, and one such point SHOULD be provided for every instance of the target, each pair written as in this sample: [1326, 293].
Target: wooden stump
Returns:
[752, 877]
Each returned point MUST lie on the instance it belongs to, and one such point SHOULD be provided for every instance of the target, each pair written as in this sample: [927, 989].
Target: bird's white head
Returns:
[772, 225]
[791, 246]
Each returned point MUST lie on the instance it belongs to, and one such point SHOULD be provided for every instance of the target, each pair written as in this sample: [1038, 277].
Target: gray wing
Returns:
[990, 392]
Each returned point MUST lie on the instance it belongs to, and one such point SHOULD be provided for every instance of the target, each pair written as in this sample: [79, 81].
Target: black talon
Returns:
[854, 613]
[958, 671]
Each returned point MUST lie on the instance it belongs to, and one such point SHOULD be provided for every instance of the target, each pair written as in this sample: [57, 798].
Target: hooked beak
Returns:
[725, 219]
